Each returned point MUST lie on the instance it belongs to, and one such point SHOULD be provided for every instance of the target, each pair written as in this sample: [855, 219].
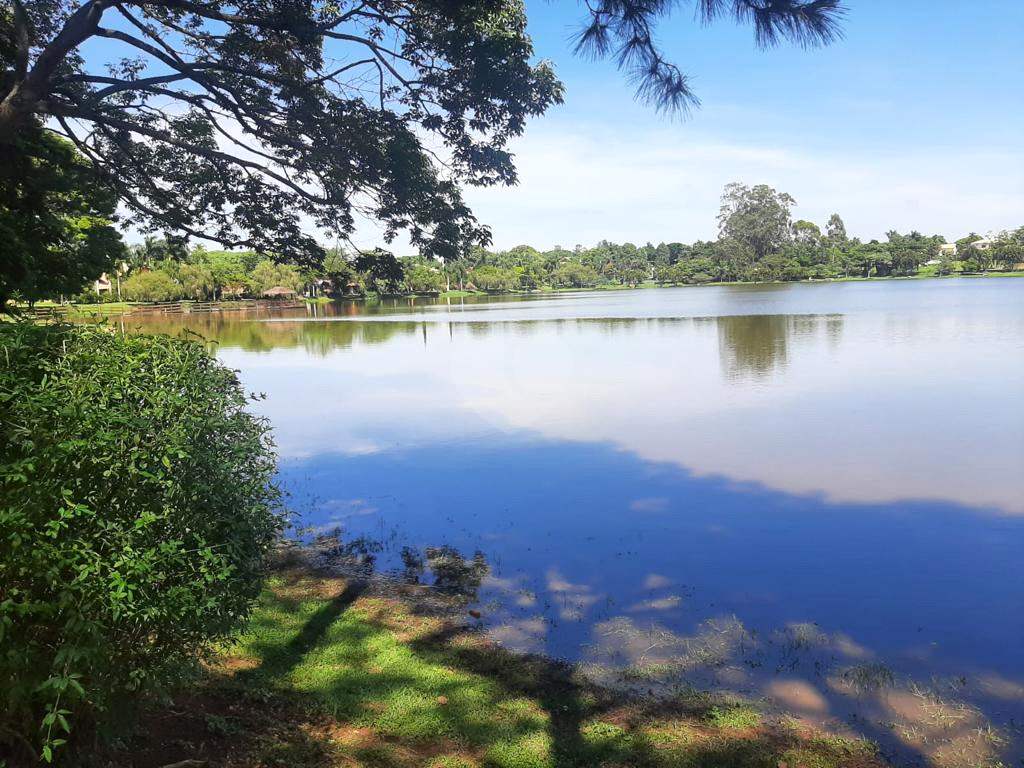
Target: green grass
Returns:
[109, 308]
[85, 310]
[734, 718]
[326, 677]
[606, 287]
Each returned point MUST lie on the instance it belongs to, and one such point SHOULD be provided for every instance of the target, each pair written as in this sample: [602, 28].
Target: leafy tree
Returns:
[908, 252]
[807, 245]
[151, 285]
[382, 271]
[677, 251]
[488, 278]
[1008, 249]
[227, 271]
[635, 271]
[778, 266]
[757, 217]
[56, 231]
[575, 275]
[233, 121]
[662, 256]
[338, 271]
[456, 273]
[806, 233]
[972, 258]
[153, 250]
[835, 231]
[196, 281]
[137, 509]
[422, 278]
[266, 275]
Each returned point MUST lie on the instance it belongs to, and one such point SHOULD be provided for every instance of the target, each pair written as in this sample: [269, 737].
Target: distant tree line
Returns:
[167, 270]
[758, 241]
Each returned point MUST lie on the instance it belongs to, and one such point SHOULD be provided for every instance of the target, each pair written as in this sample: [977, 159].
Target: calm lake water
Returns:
[812, 493]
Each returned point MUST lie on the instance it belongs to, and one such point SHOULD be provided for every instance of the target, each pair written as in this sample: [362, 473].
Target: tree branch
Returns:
[116, 85]
[81, 25]
[80, 113]
[22, 41]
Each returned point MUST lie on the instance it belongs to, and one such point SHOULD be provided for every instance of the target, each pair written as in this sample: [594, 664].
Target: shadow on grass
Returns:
[278, 661]
[592, 726]
[331, 676]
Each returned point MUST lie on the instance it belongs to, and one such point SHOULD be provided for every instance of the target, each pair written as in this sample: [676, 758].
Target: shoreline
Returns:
[339, 670]
[50, 310]
[341, 666]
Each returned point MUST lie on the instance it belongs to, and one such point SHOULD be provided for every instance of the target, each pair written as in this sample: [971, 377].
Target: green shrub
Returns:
[88, 296]
[137, 507]
[155, 285]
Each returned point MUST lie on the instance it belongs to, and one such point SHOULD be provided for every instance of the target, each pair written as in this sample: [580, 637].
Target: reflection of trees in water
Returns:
[755, 346]
[749, 345]
[248, 331]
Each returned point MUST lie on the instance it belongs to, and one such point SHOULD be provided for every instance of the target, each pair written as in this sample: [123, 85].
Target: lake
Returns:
[810, 493]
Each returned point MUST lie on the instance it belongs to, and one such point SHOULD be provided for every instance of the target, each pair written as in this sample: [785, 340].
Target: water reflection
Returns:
[750, 346]
[920, 401]
[252, 332]
[757, 346]
[452, 574]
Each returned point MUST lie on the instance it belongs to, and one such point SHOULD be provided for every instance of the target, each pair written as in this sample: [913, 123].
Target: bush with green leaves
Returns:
[137, 511]
[153, 285]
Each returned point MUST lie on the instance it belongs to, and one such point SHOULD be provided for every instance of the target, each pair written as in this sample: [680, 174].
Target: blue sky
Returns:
[915, 120]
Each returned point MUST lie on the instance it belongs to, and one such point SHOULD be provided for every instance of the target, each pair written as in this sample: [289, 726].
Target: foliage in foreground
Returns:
[136, 510]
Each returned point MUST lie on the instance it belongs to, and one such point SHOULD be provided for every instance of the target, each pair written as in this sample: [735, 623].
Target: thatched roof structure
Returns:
[279, 291]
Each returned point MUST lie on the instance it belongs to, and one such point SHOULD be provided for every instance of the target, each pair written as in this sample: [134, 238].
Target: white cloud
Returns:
[583, 183]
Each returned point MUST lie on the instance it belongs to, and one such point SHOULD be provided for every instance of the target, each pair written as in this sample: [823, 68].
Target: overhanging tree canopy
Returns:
[56, 220]
[232, 121]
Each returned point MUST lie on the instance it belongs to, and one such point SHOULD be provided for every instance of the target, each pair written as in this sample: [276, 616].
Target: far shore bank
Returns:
[45, 310]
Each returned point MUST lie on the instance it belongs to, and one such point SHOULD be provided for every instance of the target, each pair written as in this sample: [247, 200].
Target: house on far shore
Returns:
[982, 244]
[279, 292]
[103, 284]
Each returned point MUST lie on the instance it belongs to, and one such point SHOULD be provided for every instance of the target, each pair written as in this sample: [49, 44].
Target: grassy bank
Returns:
[328, 676]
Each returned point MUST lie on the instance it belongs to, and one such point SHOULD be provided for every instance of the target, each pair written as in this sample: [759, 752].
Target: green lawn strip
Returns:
[88, 310]
[365, 681]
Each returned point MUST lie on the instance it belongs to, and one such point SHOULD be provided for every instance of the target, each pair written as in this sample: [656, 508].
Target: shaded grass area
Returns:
[325, 676]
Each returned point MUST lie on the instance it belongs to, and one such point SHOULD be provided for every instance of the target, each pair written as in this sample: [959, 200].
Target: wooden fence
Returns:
[165, 308]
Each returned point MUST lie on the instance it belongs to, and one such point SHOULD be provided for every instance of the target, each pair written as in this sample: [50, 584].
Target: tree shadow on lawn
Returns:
[589, 725]
[327, 675]
[364, 680]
